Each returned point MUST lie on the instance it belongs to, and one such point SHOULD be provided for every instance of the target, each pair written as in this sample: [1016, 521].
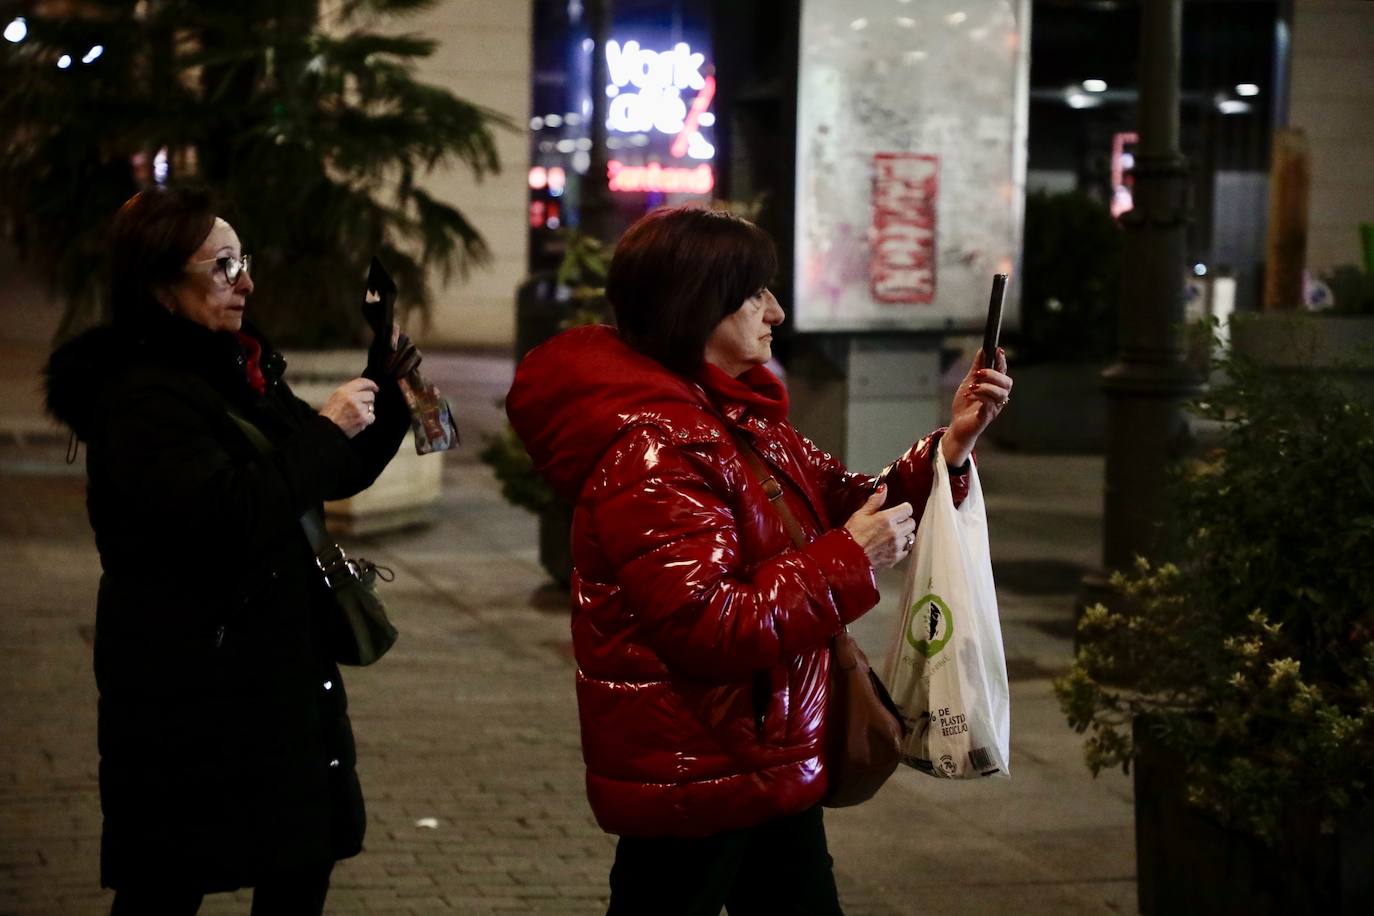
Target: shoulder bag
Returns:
[364, 632]
[863, 730]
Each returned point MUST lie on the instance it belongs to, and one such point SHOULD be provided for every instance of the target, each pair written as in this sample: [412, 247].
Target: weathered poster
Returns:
[906, 190]
[911, 162]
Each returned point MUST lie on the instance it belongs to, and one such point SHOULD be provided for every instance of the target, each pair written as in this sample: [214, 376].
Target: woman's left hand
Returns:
[977, 402]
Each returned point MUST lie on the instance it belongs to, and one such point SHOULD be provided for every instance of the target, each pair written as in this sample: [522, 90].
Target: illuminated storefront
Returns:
[660, 112]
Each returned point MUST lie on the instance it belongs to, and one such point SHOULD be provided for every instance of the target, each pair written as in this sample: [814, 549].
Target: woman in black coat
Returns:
[226, 754]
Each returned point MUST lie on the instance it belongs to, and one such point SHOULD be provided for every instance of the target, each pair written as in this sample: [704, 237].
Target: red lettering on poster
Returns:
[906, 187]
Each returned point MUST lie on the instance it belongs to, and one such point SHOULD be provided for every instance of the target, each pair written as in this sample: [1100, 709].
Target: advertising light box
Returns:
[911, 166]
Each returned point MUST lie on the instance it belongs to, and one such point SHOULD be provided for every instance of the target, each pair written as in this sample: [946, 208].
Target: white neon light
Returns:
[629, 64]
[632, 112]
[1233, 106]
[64, 61]
[93, 53]
[698, 148]
[1247, 89]
[1094, 85]
[646, 91]
[17, 30]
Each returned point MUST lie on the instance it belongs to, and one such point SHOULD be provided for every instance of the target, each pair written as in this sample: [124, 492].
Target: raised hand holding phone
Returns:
[986, 389]
[992, 328]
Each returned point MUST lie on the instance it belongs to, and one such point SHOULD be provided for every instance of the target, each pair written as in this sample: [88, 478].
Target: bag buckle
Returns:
[332, 562]
[772, 488]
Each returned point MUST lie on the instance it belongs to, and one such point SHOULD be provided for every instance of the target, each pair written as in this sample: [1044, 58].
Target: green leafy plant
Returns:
[1249, 649]
[307, 124]
[582, 273]
[514, 470]
[579, 299]
[1071, 265]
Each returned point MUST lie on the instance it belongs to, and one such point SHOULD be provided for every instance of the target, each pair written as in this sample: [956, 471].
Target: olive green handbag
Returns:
[364, 633]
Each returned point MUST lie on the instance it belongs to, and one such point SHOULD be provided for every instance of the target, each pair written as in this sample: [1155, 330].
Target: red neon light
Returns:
[689, 124]
[654, 177]
[901, 265]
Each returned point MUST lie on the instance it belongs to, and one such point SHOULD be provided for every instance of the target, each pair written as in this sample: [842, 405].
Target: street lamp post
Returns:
[597, 209]
[1147, 385]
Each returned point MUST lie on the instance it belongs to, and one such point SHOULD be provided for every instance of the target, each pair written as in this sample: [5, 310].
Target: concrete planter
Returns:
[1056, 408]
[1341, 347]
[407, 492]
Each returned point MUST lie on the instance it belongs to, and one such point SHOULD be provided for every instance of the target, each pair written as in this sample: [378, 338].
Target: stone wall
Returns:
[484, 57]
[1332, 100]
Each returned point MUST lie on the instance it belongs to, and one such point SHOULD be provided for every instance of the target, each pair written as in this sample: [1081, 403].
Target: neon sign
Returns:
[655, 177]
[660, 78]
[679, 68]
[1122, 162]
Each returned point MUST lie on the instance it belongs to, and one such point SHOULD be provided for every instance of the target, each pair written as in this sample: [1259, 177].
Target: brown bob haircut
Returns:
[677, 272]
[154, 234]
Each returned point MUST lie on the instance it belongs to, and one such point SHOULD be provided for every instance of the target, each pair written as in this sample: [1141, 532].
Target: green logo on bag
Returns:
[931, 625]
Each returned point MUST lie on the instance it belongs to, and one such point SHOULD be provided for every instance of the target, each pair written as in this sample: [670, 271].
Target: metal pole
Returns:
[1145, 388]
[598, 210]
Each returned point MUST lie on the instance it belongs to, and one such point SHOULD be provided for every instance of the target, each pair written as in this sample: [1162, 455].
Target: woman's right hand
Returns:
[352, 406]
[886, 535]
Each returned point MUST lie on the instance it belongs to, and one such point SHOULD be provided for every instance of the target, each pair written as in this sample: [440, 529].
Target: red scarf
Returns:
[252, 362]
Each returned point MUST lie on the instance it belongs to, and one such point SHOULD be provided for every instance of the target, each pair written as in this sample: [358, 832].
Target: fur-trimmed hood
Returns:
[90, 363]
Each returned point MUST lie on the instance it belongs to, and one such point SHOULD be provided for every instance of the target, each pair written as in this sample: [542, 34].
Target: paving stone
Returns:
[472, 720]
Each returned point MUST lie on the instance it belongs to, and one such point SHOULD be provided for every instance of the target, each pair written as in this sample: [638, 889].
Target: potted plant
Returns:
[307, 124]
[1236, 676]
[572, 295]
[1070, 277]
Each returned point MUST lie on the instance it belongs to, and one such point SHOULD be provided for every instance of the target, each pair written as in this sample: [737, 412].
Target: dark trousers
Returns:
[781, 868]
[300, 892]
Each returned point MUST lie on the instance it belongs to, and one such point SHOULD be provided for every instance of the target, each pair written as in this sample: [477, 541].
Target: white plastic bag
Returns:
[947, 672]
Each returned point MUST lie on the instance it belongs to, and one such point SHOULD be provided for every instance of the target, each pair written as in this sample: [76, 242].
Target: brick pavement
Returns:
[471, 722]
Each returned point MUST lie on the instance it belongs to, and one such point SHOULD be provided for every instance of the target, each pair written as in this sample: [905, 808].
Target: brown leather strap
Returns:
[773, 487]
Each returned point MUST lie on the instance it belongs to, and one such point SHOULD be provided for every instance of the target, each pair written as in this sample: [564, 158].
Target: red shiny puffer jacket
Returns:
[701, 633]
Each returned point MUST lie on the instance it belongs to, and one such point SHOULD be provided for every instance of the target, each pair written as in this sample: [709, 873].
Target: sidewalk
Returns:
[471, 720]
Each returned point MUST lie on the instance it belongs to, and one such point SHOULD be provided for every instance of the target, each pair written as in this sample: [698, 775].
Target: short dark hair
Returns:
[154, 234]
[677, 272]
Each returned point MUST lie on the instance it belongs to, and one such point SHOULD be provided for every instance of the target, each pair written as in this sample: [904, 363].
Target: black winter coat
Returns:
[225, 747]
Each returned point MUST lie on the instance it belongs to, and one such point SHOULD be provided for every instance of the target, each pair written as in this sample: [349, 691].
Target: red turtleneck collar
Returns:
[756, 392]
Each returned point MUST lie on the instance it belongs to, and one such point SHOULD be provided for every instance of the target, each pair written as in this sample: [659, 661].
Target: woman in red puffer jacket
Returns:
[701, 632]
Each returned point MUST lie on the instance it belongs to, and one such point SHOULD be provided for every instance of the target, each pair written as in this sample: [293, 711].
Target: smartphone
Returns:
[993, 329]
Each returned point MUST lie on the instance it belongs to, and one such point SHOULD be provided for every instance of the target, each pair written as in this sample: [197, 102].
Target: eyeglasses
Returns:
[232, 268]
